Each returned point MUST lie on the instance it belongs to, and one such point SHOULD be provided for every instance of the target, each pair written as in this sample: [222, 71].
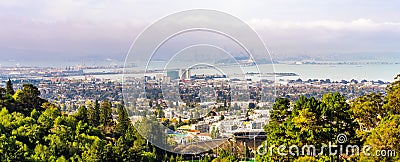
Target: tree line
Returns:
[32, 129]
[372, 119]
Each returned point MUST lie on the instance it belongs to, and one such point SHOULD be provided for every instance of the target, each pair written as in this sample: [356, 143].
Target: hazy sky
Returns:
[93, 28]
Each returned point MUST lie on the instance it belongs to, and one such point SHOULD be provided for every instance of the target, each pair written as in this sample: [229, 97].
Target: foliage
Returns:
[368, 110]
[369, 120]
[306, 159]
[32, 129]
[9, 87]
[393, 97]
[307, 122]
[386, 137]
[123, 121]
[93, 113]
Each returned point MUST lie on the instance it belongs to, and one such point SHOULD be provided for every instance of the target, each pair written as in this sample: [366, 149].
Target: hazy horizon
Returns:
[65, 30]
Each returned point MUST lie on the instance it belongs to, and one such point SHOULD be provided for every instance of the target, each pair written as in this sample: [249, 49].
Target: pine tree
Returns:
[280, 111]
[97, 112]
[105, 113]
[94, 114]
[123, 121]
[2, 92]
[9, 88]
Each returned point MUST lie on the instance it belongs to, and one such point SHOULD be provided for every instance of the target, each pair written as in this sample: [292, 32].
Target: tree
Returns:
[7, 100]
[2, 95]
[336, 118]
[214, 132]
[108, 153]
[280, 110]
[105, 113]
[9, 87]
[385, 137]
[123, 121]
[82, 114]
[94, 153]
[47, 118]
[11, 149]
[222, 117]
[225, 156]
[45, 134]
[160, 112]
[27, 131]
[28, 99]
[393, 97]
[179, 158]
[280, 129]
[308, 122]
[307, 118]
[42, 153]
[308, 127]
[368, 110]
[94, 113]
[125, 146]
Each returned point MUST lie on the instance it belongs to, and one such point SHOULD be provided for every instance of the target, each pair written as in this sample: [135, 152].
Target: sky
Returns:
[45, 30]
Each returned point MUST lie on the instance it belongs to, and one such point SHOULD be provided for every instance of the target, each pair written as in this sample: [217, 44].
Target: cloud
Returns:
[74, 38]
[361, 24]
[91, 28]
[26, 38]
[322, 37]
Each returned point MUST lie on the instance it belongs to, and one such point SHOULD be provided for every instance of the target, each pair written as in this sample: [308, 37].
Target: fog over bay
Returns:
[104, 30]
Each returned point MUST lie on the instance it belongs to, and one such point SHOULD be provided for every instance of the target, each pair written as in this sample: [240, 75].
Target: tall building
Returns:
[185, 74]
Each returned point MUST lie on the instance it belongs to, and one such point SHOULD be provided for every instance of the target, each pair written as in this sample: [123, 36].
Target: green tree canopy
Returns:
[385, 137]
[28, 99]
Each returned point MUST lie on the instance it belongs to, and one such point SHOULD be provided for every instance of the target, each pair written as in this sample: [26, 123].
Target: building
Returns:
[173, 74]
[202, 127]
[185, 74]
